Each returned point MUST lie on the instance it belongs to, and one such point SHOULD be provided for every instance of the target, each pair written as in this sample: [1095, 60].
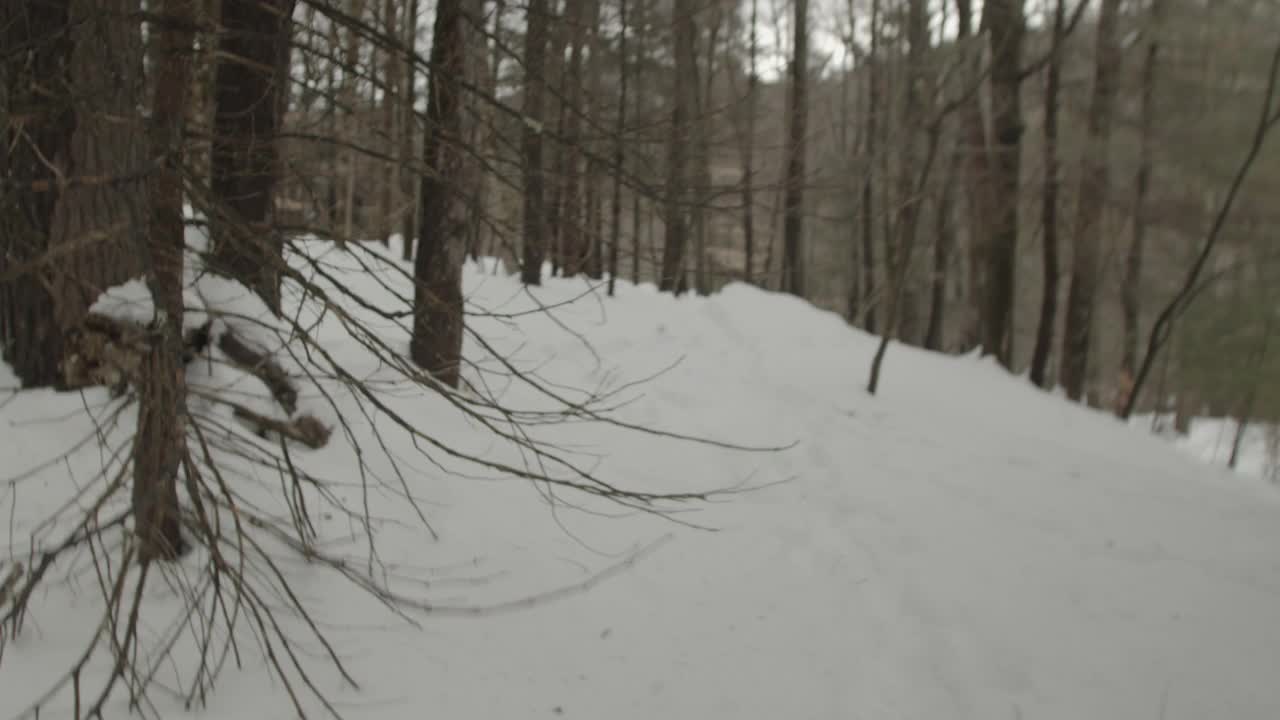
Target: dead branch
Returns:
[263, 367]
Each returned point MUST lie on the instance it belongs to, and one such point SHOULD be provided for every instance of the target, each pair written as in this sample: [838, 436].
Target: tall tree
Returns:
[1049, 201]
[73, 173]
[535, 82]
[1094, 188]
[1005, 26]
[408, 127]
[1131, 288]
[870, 151]
[619, 148]
[748, 150]
[436, 344]
[248, 89]
[793, 270]
[392, 64]
[685, 83]
[160, 443]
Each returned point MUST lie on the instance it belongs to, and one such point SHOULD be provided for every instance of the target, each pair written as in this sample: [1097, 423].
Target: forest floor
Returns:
[960, 545]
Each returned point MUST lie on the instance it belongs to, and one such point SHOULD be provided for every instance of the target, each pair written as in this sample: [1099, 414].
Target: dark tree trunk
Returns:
[944, 243]
[160, 443]
[535, 224]
[249, 89]
[619, 150]
[1131, 288]
[867, 203]
[409, 128]
[1004, 22]
[748, 155]
[793, 264]
[1049, 204]
[437, 303]
[1093, 193]
[391, 64]
[77, 173]
[685, 81]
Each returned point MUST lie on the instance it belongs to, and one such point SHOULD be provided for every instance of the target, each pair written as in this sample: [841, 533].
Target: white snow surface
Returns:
[959, 546]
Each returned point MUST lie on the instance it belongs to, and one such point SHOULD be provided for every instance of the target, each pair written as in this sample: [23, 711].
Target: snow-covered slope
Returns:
[959, 546]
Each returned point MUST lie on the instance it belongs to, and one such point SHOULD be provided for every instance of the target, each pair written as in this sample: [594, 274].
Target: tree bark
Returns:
[748, 154]
[409, 127]
[684, 32]
[535, 82]
[1005, 25]
[619, 150]
[436, 344]
[160, 443]
[1093, 193]
[246, 245]
[76, 172]
[793, 261]
[1049, 203]
[1131, 288]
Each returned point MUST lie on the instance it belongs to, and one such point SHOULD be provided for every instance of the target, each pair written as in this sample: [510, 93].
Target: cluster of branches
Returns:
[96, 192]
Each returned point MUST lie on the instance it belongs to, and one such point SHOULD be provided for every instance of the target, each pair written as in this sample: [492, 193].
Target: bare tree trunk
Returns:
[559, 42]
[705, 107]
[1004, 22]
[793, 262]
[684, 31]
[77, 172]
[748, 153]
[870, 151]
[944, 243]
[436, 344]
[535, 83]
[593, 186]
[408, 129]
[619, 149]
[246, 245]
[160, 443]
[1049, 203]
[1131, 288]
[391, 65]
[1093, 193]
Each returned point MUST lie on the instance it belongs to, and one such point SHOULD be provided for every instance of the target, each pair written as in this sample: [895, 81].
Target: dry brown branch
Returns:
[262, 366]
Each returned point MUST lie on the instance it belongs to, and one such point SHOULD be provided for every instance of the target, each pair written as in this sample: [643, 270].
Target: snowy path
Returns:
[961, 546]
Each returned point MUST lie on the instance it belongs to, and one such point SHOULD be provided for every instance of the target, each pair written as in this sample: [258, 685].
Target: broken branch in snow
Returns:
[261, 366]
[305, 429]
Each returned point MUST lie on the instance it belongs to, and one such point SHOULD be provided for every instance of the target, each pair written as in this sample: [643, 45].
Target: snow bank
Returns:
[960, 546]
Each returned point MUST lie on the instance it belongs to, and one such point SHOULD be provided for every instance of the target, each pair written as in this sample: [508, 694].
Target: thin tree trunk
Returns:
[870, 151]
[246, 245]
[593, 181]
[160, 442]
[1049, 203]
[748, 154]
[619, 148]
[944, 243]
[1005, 25]
[793, 261]
[1131, 294]
[436, 344]
[1093, 193]
[408, 129]
[535, 224]
[390, 98]
[684, 32]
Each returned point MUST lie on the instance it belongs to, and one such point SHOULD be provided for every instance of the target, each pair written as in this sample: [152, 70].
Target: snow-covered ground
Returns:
[959, 546]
